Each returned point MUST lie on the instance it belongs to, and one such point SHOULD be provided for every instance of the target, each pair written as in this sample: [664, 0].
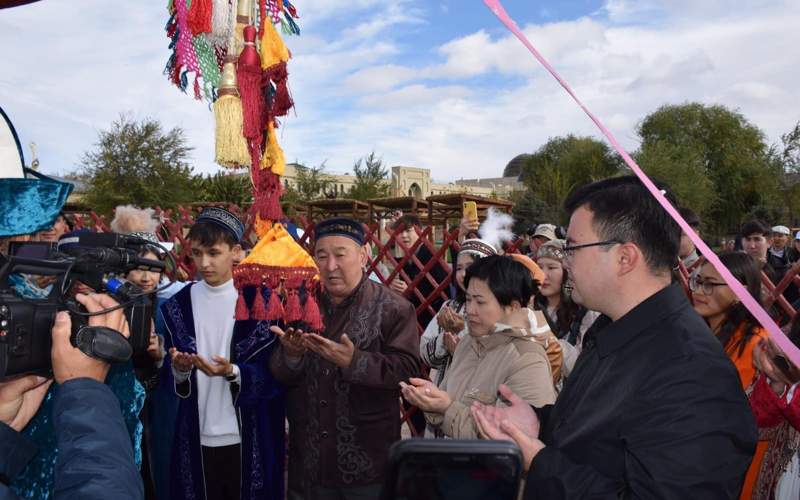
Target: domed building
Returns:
[514, 167]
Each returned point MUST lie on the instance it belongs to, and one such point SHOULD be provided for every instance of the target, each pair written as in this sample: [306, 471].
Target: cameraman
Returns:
[95, 458]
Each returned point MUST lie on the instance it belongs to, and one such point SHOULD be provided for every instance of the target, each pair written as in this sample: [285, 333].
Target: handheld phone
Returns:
[470, 210]
[450, 469]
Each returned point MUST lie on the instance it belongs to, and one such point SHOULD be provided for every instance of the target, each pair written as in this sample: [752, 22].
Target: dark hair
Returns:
[506, 278]
[461, 295]
[70, 225]
[407, 221]
[746, 270]
[624, 210]
[566, 313]
[689, 216]
[209, 234]
[794, 331]
[755, 227]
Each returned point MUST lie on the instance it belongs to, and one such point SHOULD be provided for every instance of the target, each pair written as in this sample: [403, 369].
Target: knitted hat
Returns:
[341, 226]
[224, 219]
[552, 250]
[478, 248]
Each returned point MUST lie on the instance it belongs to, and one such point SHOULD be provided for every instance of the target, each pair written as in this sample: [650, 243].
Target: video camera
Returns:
[99, 261]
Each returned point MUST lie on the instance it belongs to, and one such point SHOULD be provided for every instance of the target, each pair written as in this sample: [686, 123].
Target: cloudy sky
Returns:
[438, 84]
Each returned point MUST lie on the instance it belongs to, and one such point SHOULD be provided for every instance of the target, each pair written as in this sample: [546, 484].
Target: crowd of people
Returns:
[585, 349]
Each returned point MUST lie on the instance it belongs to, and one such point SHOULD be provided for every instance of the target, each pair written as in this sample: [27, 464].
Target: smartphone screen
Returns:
[489, 470]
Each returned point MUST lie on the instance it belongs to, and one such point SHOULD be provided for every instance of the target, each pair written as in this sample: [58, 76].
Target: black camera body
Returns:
[98, 260]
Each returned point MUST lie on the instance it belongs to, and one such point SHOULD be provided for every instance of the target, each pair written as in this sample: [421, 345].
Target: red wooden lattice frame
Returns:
[176, 223]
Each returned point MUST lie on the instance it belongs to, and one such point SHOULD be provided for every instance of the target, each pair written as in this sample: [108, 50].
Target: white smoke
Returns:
[496, 229]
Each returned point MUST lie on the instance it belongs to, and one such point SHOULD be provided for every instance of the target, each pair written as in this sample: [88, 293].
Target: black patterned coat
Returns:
[343, 420]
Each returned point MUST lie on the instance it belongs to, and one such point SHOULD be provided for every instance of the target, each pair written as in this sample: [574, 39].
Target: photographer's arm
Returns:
[95, 459]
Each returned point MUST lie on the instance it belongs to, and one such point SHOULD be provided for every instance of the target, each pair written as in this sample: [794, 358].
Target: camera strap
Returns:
[103, 343]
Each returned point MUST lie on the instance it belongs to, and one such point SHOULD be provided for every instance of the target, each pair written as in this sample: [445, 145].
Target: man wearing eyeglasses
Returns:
[653, 408]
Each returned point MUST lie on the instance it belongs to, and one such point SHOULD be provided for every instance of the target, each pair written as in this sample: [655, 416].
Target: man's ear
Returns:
[362, 255]
[628, 257]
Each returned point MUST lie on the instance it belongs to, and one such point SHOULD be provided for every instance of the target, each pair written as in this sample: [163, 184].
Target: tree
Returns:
[785, 158]
[226, 187]
[138, 163]
[311, 183]
[370, 179]
[554, 170]
[720, 145]
[682, 168]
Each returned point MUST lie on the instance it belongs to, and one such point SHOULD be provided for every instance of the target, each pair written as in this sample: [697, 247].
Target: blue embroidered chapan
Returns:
[259, 401]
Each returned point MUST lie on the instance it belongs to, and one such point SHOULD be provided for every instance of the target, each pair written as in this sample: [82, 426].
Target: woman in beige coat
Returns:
[502, 348]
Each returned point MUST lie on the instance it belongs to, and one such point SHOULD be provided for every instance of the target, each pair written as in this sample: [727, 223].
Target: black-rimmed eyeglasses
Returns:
[569, 250]
[706, 286]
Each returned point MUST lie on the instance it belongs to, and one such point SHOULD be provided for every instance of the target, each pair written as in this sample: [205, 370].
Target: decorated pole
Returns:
[233, 56]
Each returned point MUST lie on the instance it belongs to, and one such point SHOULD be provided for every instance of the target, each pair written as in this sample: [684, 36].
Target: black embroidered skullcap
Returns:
[224, 219]
[341, 226]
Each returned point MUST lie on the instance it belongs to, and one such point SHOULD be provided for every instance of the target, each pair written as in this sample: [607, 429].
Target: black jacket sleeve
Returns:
[679, 443]
[15, 453]
[95, 459]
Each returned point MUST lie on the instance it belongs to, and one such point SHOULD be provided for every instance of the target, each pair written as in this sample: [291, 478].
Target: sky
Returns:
[437, 84]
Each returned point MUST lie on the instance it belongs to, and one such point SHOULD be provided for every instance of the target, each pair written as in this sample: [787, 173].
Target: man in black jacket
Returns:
[654, 407]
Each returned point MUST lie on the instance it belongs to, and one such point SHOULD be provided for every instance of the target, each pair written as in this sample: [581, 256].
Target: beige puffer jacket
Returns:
[512, 356]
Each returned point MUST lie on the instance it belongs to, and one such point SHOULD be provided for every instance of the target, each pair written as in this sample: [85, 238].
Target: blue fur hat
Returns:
[30, 204]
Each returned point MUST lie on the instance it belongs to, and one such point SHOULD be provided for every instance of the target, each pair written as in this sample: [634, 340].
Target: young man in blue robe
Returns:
[229, 432]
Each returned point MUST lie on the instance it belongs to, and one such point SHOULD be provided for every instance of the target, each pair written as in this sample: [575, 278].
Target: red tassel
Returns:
[241, 308]
[311, 315]
[199, 19]
[282, 102]
[259, 311]
[248, 73]
[275, 311]
[267, 192]
[294, 311]
[197, 94]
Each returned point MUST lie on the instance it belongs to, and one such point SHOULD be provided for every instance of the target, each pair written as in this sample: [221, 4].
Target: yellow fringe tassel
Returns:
[273, 157]
[273, 50]
[231, 147]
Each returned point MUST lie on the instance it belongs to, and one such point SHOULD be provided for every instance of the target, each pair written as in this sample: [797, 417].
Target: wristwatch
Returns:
[232, 376]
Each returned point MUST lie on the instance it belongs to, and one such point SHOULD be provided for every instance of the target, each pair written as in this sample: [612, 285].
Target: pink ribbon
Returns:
[760, 314]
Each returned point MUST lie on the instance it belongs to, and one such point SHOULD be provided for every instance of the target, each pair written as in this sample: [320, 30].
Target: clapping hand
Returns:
[515, 422]
[449, 320]
[425, 395]
[764, 354]
[450, 341]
